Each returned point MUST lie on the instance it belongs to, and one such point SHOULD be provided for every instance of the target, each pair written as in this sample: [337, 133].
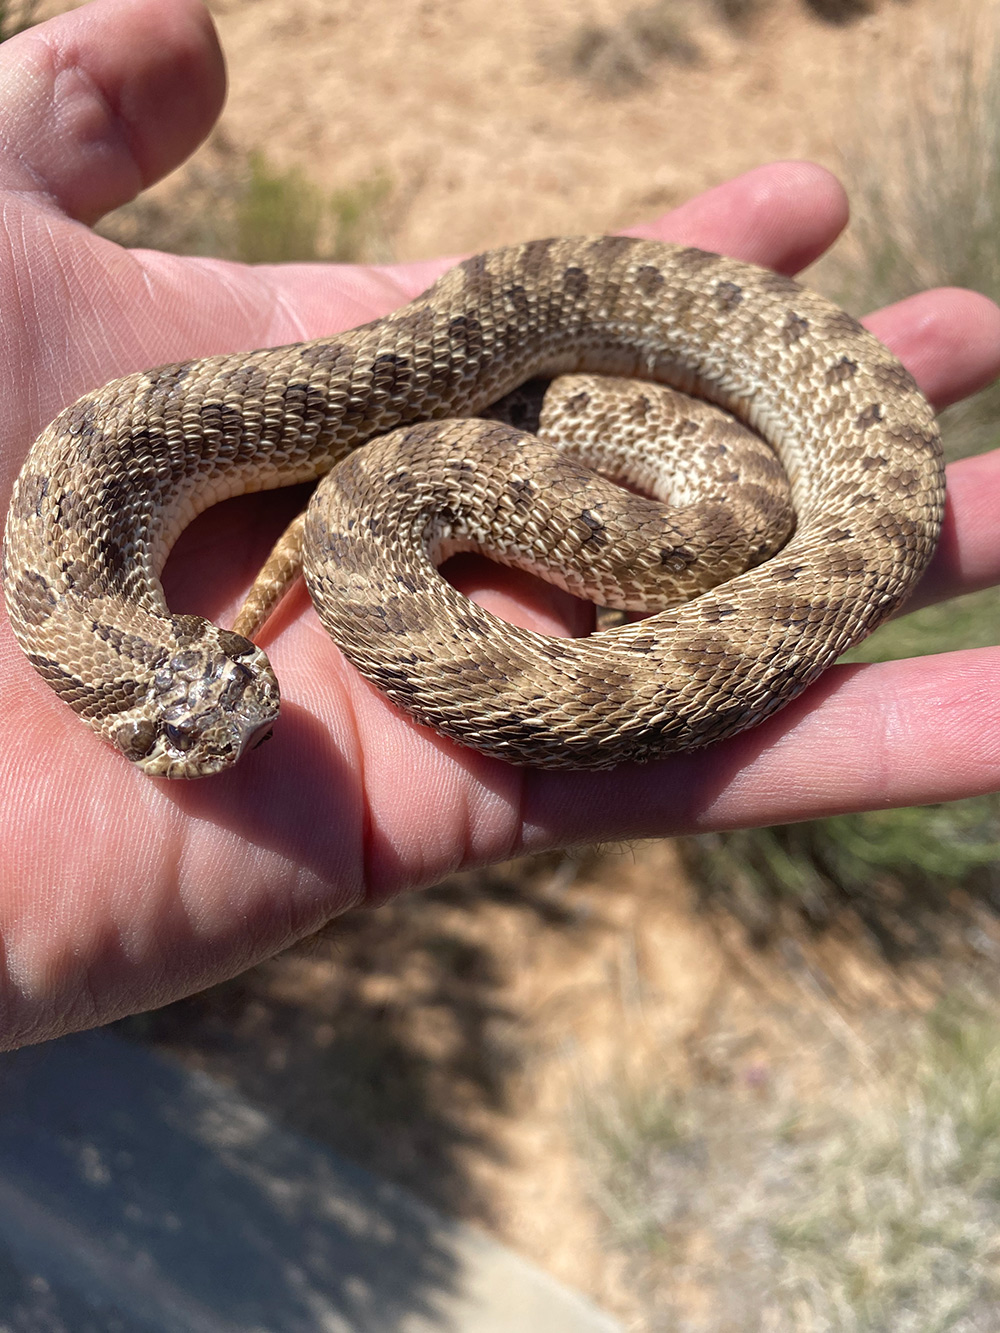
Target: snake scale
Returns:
[109, 485]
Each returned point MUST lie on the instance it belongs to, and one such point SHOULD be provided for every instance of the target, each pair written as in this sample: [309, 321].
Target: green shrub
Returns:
[282, 216]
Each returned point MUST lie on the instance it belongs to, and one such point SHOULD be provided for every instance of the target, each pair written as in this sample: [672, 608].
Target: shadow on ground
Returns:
[391, 1037]
[133, 1191]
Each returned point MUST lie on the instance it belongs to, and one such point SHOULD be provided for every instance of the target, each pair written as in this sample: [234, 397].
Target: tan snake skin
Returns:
[109, 485]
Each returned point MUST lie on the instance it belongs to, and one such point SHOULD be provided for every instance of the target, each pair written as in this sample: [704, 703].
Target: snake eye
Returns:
[181, 738]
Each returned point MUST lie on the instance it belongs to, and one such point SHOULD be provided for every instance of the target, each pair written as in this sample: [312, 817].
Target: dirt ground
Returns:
[452, 1039]
[493, 1044]
[496, 123]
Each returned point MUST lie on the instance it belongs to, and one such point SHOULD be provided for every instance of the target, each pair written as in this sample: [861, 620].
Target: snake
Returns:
[400, 415]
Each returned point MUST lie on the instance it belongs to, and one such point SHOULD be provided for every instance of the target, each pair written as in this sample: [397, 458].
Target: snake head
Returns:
[216, 696]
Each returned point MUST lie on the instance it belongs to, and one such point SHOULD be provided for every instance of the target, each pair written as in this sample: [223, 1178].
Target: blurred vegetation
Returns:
[898, 1218]
[282, 216]
[875, 1210]
[618, 58]
[279, 217]
[622, 57]
[926, 198]
[899, 872]
[14, 18]
[249, 210]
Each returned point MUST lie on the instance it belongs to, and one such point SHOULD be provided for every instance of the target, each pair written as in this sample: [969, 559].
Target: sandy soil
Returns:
[474, 115]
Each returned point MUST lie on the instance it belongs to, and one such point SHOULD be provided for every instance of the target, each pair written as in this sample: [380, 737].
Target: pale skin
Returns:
[118, 892]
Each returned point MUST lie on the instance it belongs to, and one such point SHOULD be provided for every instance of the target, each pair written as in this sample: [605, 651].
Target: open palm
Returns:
[118, 892]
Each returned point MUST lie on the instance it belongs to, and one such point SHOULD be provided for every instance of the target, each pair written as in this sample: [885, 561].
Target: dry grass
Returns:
[244, 208]
[620, 58]
[875, 1209]
[897, 1223]
[924, 174]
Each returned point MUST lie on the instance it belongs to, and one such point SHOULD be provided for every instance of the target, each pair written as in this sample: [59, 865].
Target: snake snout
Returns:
[214, 698]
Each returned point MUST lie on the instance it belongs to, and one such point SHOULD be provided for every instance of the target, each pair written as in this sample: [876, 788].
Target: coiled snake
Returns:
[112, 481]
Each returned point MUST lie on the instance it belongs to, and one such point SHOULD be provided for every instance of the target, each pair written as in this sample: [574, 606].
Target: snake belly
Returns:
[110, 484]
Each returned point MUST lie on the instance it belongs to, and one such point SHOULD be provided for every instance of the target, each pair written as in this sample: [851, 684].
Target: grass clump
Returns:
[246, 209]
[620, 58]
[876, 1211]
[279, 216]
[839, 13]
[902, 873]
[634, 1134]
[898, 1223]
[282, 216]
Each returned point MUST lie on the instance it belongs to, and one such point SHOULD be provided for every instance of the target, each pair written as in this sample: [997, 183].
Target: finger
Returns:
[782, 215]
[890, 734]
[968, 554]
[948, 339]
[103, 101]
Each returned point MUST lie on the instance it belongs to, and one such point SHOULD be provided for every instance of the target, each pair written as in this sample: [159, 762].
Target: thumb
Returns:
[101, 102]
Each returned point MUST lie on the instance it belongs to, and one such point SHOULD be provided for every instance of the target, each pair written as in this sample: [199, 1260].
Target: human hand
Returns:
[118, 892]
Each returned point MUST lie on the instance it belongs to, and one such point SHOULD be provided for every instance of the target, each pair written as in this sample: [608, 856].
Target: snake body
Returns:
[112, 481]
